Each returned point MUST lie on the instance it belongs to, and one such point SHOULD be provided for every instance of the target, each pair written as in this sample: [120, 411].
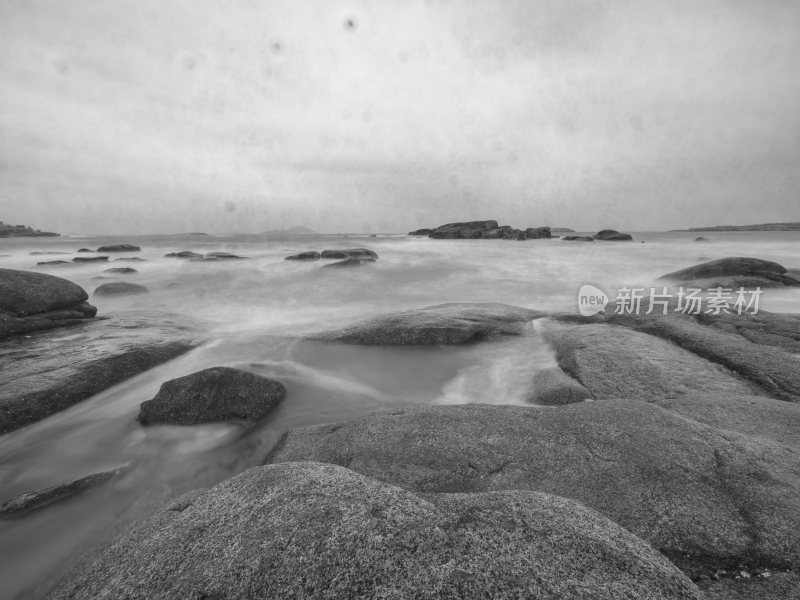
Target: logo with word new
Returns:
[591, 300]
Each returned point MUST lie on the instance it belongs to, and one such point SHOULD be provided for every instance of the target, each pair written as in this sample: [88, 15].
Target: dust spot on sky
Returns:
[350, 24]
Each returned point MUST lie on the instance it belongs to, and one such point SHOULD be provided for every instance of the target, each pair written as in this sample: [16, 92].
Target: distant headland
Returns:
[23, 231]
[794, 226]
[300, 230]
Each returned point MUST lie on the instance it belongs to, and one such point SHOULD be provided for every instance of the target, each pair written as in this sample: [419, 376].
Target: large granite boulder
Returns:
[212, 395]
[33, 301]
[45, 374]
[553, 387]
[309, 530]
[705, 497]
[733, 272]
[612, 235]
[617, 362]
[119, 248]
[120, 288]
[451, 324]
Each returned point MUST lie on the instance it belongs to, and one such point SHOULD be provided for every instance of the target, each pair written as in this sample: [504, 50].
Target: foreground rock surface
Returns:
[212, 395]
[706, 498]
[35, 301]
[308, 530]
[25, 504]
[452, 324]
[47, 373]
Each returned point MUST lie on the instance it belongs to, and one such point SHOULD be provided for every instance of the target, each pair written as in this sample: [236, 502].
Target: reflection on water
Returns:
[253, 312]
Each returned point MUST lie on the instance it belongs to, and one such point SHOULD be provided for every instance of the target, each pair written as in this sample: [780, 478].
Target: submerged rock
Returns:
[52, 262]
[25, 504]
[119, 248]
[577, 238]
[120, 270]
[362, 253]
[120, 288]
[705, 497]
[223, 256]
[213, 395]
[612, 235]
[33, 301]
[310, 255]
[309, 530]
[350, 262]
[701, 239]
[454, 323]
[733, 272]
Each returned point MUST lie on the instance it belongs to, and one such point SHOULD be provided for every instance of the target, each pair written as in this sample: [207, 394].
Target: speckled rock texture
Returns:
[310, 530]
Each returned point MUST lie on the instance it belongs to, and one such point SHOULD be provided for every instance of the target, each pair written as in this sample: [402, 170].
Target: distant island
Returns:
[23, 231]
[794, 226]
[291, 231]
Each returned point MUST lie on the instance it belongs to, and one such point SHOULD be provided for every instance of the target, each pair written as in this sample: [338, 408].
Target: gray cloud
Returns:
[156, 116]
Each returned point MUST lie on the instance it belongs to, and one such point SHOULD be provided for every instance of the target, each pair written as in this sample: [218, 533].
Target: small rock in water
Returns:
[119, 248]
[83, 259]
[577, 238]
[350, 262]
[85, 250]
[612, 235]
[222, 255]
[120, 288]
[53, 262]
[212, 395]
[184, 254]
[363, 253]
[24, 504]
[310, 255]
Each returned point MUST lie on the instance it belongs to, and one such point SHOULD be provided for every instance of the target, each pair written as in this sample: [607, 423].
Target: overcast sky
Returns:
[156, 116]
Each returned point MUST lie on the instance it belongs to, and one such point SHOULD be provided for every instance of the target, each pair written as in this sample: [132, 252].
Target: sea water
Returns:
[253, 314]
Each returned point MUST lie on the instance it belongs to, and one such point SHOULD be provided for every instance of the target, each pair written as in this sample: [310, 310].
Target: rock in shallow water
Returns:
[733, 272]
[119, 248]
[212, 395]
[29, 502]
[453, 323]
[120, 288]
[310, 255]
[309, 530]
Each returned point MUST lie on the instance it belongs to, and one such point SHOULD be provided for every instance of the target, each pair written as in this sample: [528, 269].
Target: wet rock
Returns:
[612, 235]
[454, 323]
[701, 239]
[319, 531]
[120, 288]
[577, 238]
[86, 259]
[46, 373]
[535, 233]
[85, 250]
[130, 259]
[29, 502]
[700, 495]
[362, 253]
[733, 272]
[33, 301]
[120, 270]
[310, 255]
[213, 395]
[183, 254]
[553, 387]
[52, 262]
[119, 248]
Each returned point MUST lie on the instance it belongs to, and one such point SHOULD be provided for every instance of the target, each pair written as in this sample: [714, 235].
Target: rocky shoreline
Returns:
[658, 459]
